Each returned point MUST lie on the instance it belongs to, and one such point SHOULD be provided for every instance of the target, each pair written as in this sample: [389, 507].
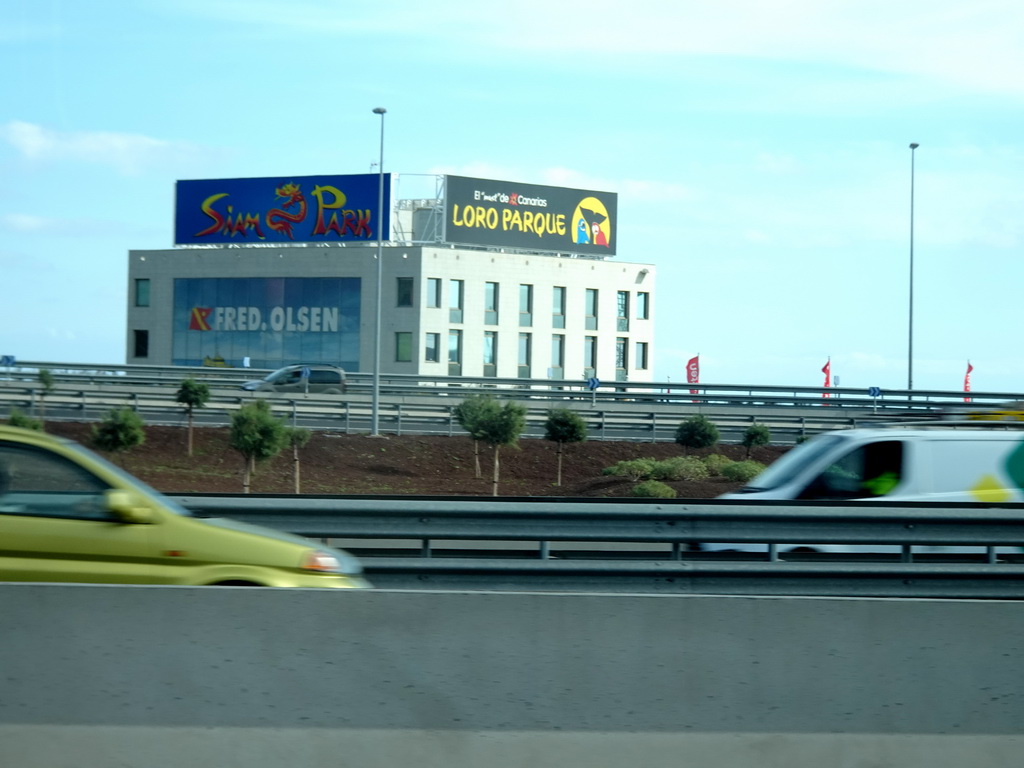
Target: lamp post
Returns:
[910, 329]
[375, 412]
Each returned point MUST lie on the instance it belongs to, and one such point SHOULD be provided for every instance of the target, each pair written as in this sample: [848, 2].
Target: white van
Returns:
[895, 463]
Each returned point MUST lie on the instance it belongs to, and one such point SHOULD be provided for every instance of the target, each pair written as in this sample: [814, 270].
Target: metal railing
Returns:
[626, 545]
[420, 405]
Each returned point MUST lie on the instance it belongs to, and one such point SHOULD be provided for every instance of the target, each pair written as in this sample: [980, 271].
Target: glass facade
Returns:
[273, 321]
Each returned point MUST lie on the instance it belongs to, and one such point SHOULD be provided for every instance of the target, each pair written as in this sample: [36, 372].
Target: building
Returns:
[460, 294]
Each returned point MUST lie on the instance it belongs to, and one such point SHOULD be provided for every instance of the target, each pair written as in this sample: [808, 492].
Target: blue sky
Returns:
[759, 150]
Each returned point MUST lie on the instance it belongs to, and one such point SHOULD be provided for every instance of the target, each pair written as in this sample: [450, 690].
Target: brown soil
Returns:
[336, 463]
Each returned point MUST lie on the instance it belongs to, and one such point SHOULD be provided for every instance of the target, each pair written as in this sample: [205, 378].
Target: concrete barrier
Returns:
[168, 676]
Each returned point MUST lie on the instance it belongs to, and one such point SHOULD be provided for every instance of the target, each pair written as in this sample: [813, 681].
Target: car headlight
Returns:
[323, 562]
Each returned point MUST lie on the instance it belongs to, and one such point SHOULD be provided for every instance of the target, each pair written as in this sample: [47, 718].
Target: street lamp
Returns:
[910, 330]
[375, 413]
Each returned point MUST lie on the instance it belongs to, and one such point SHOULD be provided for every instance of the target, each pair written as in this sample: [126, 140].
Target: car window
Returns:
[39, 483]
[324, 377]
[868, 471]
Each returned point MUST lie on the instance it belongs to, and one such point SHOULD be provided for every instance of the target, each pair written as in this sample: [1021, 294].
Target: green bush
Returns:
[19, 419]
[715, 461]
[634, 469]
[688, 468]
[653, 489]
[697, 432]
[756, 434]
[742, 471]
[120, 430]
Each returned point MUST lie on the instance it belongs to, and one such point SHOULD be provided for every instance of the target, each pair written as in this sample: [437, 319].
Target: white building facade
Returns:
[444, 311]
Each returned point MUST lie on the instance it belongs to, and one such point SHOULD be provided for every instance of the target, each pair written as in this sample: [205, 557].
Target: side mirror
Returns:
[128, 507]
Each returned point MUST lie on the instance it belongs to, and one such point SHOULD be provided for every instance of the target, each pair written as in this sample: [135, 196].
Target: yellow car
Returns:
[67, 514]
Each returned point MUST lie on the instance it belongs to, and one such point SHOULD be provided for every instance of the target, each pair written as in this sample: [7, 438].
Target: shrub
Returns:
[756, 434]
[634, 469]
[688, 468]
[697, 432]
[19, 419]
[653, 489]
[121, 430]
[742, 471]
[715, 461]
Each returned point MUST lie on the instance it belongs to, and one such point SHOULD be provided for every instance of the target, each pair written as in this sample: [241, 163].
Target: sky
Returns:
[759, 150]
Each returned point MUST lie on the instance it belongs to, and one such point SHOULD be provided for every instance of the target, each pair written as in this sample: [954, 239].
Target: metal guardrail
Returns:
[626, 545]
[424, 405]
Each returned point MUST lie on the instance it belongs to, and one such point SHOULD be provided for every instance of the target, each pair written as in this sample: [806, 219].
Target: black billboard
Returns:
[529, 216]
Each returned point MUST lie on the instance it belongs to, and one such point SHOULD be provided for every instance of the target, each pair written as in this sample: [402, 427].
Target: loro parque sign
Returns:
[513, 215]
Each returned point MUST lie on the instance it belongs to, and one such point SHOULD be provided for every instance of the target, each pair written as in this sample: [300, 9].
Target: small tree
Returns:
[257, 435]
[19, 419]
[697, 432]
[297, 438]
[47, 383]
[470, 413]
[564, 426]
[192, 394]
[120, 430]
[499, 427]
[756, 434]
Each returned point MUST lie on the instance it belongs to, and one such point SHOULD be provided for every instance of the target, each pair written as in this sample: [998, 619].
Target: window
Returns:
[871, 470]
[404, 292]
[641, 356]
[591, 309]
[141, 343]
[525, 305]
[142, 293]
[42, 484]
[432, 348]
[558, 307]
[643, 306]
[403, 347]
[525, 342]
[589, 356]
[490, 353]
[455, 300]
[490, 303]
[455, 351]
[558, 356]
[622, 307]
[433, 292]
[621, 359]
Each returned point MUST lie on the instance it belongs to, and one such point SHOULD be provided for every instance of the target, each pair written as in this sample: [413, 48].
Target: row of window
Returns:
[457, 290]
[432, 352]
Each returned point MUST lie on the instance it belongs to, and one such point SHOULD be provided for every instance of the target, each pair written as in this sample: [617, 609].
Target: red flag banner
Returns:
[827, 370]
[967, 380]
[693, 372]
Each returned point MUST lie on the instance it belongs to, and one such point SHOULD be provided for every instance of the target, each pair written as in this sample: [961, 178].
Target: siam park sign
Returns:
[296, 209]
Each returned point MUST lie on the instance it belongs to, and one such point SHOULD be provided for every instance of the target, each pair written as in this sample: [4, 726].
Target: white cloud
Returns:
[128, 153]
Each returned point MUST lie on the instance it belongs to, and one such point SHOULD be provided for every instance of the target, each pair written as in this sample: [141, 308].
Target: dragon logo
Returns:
[281, 220]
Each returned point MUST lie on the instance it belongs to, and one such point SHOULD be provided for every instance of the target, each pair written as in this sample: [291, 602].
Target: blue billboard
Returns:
[300, 209]
[272, 322]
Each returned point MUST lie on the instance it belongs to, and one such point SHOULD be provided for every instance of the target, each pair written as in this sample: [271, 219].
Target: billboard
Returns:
[271, 321]
[513, 215]
[300, 209]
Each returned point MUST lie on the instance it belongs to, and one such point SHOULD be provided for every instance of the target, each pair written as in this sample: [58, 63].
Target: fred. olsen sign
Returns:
[529, 216]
